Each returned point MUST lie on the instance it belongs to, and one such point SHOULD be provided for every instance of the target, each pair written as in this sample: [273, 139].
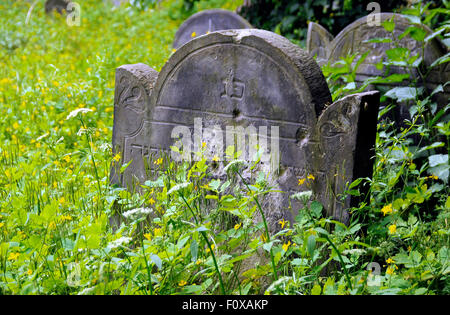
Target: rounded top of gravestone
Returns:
[355, 38]
[56, 5]
[256, 69]
[208, 21]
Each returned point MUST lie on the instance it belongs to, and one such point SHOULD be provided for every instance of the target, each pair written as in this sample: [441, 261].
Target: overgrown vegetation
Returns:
[291, 17]
[65, 230]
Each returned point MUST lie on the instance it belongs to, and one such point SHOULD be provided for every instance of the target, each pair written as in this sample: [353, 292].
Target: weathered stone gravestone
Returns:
[355, 38]
[318, 40]
[208, 21]
[253, 80]
[56, 5]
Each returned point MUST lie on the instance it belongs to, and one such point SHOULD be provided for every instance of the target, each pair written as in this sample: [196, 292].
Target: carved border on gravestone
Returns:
[185, 30]
[134, 85]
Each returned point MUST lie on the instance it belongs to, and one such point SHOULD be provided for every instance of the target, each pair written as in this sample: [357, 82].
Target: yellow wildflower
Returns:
[148, 236]
[282, 223]
[215, 158]
[390, 261]
[301, 181]
[116, 158]
[52, 225]
[387, 209]
[392, 229]
[264, 238]
[203, 144]
[311, 177]
[2, 224]
[193, 34]
[157, 232]
[13, 256]
[66, 218]
[16, 125]
[151, 201]
[29, 272]
[237, 226]
[212, 247]
[66, 158]
[182, 283]
[391, 269]
[286, 246]
[158, 161]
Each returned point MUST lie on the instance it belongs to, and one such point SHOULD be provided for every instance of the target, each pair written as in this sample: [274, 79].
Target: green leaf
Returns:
[316, 209]
[321, 231]
[268, 246]
[194, 250]
[437, 159]
[441, 60]
[202, 229]
[417, 33]
[311, 245]
[389, 25]
[125, 166]
[156, 260]
[316, 290]
[403, 93]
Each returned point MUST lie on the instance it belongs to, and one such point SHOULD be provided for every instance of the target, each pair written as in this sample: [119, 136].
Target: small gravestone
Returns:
[208, 21]
[254, 81]
[356, 39]
[56, 5]
[318, 39]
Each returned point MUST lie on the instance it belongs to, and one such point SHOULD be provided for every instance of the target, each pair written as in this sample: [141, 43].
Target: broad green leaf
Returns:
[311, 245]
[403, 93]
[194, 250]
[156, 260]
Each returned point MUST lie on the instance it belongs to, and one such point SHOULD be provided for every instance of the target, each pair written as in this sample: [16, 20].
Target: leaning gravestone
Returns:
[56, 5]
[206, 22]
[317, 41]
[356, 38]
[253, 80]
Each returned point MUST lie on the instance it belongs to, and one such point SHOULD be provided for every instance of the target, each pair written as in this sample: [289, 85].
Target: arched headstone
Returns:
[56, 5]
[208, 21]
[257, 81]
[355, 39]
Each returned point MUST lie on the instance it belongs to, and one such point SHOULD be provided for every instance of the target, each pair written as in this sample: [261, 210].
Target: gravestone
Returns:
[56, 5]
[317, 41]
[256, 80]
[208, 21]
[354, 40]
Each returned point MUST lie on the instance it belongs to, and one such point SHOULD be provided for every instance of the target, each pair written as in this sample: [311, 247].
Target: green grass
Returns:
[56, 204]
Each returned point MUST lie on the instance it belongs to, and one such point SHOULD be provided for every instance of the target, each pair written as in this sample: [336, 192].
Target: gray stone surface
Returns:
[317, 42]
[56, 5]
[206, 22]
[353, 39]
[248, 78]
